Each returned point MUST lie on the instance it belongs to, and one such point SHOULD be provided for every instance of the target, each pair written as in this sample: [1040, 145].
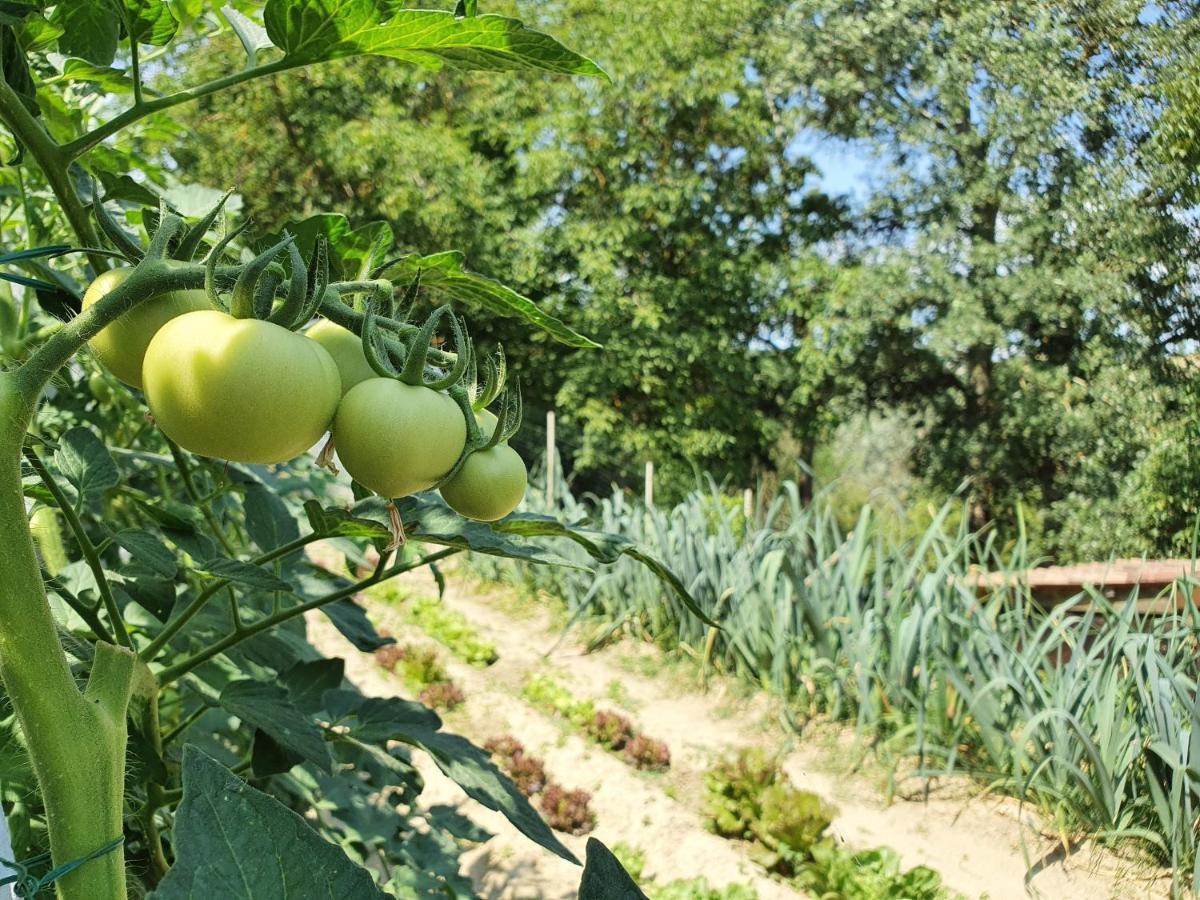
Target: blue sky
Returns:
[845, 166]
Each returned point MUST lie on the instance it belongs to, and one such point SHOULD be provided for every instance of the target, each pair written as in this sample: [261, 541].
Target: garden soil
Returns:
[983, 845]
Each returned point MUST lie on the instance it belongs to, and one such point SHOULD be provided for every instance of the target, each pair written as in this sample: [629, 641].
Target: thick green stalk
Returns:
[76, 740]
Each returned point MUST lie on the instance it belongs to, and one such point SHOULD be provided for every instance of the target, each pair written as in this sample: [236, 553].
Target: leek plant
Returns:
[1091, 716]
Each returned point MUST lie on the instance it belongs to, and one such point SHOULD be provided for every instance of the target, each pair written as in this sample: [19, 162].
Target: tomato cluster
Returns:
[248, 389]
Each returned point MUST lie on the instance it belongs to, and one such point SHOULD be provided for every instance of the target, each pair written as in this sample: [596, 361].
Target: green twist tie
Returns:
[26, 885]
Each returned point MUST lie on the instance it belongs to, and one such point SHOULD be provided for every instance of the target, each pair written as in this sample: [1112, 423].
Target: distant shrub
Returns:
[568, 811]
[698, 889]
[389, 656]
[749, 797]
[646, 753]
[527, 771]
[610, 729]
[834, 871]
[443, 695]
[451, 629]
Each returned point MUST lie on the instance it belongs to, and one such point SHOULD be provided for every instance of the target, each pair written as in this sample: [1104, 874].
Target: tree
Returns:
[1018, 245]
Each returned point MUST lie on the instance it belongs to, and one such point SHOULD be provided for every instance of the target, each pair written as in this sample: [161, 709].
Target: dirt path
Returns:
[976, 845]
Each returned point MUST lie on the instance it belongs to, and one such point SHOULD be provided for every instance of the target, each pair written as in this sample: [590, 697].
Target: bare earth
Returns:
[976, 843]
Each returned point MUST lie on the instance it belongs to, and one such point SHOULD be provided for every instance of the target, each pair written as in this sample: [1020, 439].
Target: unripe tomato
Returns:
[121, 344]
[397, 438]
[487, 422]
[346, 349]
[100, 389]
[489, 485]
[239, 389]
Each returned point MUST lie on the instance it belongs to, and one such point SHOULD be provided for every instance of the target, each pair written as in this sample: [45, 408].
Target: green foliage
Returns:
[699, 889]
[834, 873]
[566, 810]
[447, 627]
[748, 797]
[888, 632]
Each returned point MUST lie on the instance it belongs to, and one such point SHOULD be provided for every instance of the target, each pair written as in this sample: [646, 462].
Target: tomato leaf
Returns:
[151, 21]
[307, 681]
[312, 30]
[243, 573]
[84, 461]
[467, 765]
[115, 81]
[268, 521]
[91, 30]
[601, 546]
[334, 522]
[444, 275]
[604, 878]
[148, 551]
[236, 842]
[268, 707]
[429, 520]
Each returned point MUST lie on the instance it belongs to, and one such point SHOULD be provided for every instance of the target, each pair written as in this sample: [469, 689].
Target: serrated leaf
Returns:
[426, 518]
[269, 757]
[444, 276]
[335, 522]
[604, 878]
[151, 21]
[245, 573]
[372, 720]
[269, 707]
[91, 30]
[85, 463]
[377, 718]
[601, 546]
[472, 769]
[268, 520]
[308, 681]
[312, 30]
[352, 623]
[115, 81]
[237, 843]
[147, 550]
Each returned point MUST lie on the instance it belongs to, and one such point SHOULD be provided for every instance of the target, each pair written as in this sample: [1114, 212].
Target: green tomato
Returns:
[490, 484]
[346, 349]
[239, 389]
[100, 389]
[121, 344]
[487, 422]
[396, 438]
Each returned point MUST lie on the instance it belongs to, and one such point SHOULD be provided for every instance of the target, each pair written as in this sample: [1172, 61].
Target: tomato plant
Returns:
[165, 722]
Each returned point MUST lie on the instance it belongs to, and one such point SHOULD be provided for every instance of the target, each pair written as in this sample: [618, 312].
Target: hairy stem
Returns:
[140, 110]
[76, 740]
[190, 611]
[55, 165]
[90, 554]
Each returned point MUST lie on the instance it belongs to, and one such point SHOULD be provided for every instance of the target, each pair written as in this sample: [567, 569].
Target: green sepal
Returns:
[190, 245]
